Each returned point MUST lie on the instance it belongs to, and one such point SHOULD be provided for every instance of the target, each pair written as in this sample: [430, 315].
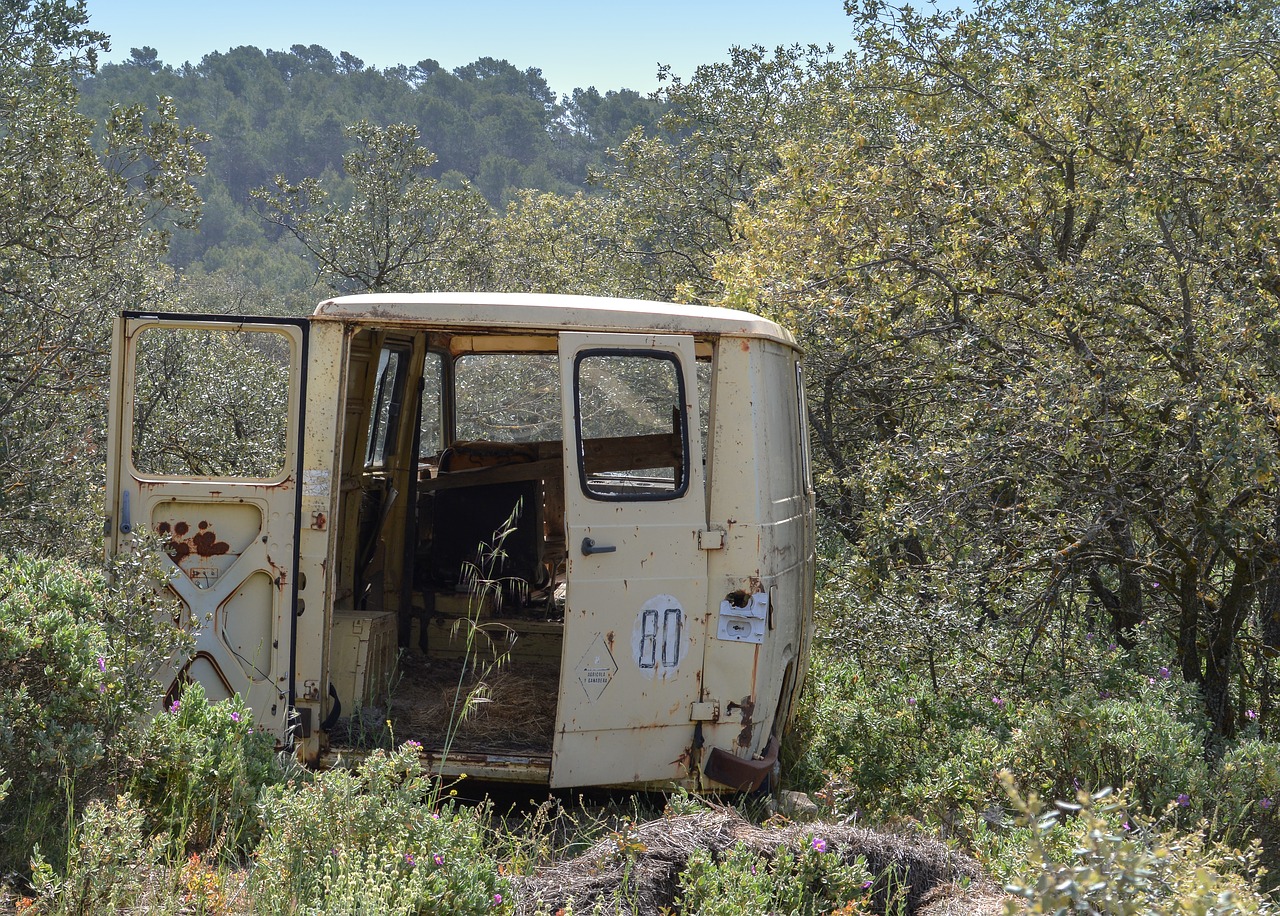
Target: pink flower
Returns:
[1250, 714]
[497, 899]
[999, 701]
[102, 664]
[438, 859]
[819, 844]
[409, 859]
[235, 717]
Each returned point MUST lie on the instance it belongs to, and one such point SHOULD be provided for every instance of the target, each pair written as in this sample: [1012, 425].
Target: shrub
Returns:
[1085, 741]
[106, 863]
[202, 770]
[807, 883]
[374, 839]
[1120, 866]
[76, 654]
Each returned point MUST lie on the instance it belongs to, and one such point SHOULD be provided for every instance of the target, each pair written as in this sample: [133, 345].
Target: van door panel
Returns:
[206, 433]
[635, 619]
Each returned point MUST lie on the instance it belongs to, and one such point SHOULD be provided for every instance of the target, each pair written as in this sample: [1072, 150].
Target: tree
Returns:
[81, 232]
[1035, 262]
[680, 189]
[402, 230]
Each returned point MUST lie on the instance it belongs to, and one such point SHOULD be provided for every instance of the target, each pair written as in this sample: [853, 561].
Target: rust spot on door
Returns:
[204, 543]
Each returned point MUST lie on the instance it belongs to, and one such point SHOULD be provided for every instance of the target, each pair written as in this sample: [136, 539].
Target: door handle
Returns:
[589, 547]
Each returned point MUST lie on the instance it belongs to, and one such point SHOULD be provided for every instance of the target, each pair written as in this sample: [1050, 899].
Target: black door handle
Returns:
[589, 547]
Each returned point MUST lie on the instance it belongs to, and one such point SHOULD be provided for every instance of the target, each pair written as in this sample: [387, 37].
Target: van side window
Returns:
[508, 397]
[211, 402]
[631, 424]
[384, 420]
[431, 423]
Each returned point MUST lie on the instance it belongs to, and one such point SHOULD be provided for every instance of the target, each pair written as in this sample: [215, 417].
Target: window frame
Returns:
[678, 491]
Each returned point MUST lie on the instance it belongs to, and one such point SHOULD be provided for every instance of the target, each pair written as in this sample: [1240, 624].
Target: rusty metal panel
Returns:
[226, 520]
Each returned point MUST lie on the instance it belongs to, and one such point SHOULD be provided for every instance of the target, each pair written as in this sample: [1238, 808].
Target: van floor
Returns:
[493, 707]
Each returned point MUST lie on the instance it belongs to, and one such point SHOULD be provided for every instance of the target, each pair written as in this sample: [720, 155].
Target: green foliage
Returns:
[1242, 802]
[202, 770]
[402, 230]
[106, 855]
[813, 881]
[1035, 272]
[76, 655]
[324, 834]
[284, 112]
[80, 236]
[1120, 867]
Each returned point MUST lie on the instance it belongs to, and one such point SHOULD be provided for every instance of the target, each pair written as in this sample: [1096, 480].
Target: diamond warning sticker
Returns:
[596, 669]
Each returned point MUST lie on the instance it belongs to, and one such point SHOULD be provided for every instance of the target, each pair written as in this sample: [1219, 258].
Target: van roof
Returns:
[542, 312]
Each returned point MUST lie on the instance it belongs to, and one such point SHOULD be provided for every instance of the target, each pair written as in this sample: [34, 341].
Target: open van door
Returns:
[635, 616]
[204, 446]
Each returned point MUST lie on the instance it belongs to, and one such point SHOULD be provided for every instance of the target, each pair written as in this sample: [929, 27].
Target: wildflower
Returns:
[102, 664]
[998, 700]
[911, 701]
[497, 899]
[819, 844]
[1164, 672]
[1251, 714]
[409, 859]
[1184, 800]
[438, 859]
[1151, 680]
[866, 885]
[235, 717]
[174, 707]
[1265, 804]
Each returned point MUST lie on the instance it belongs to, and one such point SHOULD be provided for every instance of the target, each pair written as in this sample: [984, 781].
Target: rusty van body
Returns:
[590, 520]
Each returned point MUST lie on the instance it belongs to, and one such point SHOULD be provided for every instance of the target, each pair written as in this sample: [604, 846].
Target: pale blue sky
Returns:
[610, 45]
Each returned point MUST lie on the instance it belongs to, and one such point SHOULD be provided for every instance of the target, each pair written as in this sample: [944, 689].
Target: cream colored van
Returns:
[553, 539]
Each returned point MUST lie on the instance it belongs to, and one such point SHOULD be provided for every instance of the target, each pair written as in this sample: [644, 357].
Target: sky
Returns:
[609, 44]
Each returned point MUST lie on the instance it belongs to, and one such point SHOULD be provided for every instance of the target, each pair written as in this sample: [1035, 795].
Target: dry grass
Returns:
[512, 707]
[925, 875]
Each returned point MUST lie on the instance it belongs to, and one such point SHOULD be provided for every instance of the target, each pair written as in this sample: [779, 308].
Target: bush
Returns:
[1120, 866]
[76, 654]
[374, 839]
[787, 884]
[106, 862]
[202, 770]
[1085, 741]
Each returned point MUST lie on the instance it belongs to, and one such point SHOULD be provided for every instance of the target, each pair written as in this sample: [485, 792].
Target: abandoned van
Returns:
[553, 539]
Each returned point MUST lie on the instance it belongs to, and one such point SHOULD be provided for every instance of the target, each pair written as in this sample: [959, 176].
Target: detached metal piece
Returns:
[738, 772]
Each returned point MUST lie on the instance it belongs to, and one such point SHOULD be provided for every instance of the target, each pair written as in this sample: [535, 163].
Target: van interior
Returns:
[450, 589]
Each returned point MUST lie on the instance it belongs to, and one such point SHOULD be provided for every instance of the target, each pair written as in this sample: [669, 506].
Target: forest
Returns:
[1032, 251]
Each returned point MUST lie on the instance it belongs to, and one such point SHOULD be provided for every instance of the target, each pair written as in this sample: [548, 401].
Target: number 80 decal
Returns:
[658, 641]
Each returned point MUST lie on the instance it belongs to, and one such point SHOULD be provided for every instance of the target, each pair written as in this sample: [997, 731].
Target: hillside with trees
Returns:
[488, 126]
[1033, 253]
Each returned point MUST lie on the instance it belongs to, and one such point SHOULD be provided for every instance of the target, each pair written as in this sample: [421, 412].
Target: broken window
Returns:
[631, 424]
[211, 402]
